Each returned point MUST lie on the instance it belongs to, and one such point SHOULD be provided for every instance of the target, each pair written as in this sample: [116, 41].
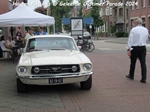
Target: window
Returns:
[120, 12]
[132, 7]
[104, 0]
[136, 4]
[115, 12]
[127, 13]
[104, 27]
[149, 24]
[132, 25]
[100, 12]
[143, 19]
[143, 3]
[107, 11]
[110, 11]
[127, 27]
[25, 1]
[56, 43]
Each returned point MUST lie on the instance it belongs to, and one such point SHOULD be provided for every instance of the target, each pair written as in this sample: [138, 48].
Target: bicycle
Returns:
[85, 44]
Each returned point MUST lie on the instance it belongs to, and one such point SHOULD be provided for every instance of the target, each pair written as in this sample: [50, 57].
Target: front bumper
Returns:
[44, 79]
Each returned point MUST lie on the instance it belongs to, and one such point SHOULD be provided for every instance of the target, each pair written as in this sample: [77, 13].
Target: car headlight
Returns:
[87, 66]
[22, 70]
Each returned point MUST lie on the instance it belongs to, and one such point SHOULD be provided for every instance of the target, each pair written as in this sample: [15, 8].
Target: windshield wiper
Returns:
[31, 49]
[37, 50]
[58, 49]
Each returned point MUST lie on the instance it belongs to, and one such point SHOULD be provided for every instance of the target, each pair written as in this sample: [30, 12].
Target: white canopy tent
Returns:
[24, 16]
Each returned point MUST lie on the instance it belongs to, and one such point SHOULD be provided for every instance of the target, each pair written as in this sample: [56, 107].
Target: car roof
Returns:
[50, 36]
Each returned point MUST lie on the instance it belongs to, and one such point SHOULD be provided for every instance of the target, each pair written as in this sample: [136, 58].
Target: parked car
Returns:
[86, 35]
[53, 60]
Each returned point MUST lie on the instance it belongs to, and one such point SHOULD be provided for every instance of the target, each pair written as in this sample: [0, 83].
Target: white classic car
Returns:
[53, 60]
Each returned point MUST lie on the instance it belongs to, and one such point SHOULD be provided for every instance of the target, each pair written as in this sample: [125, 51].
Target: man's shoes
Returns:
[143, 81]
[129, 77]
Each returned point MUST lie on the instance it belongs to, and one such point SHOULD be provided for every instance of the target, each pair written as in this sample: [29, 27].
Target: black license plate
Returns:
[56, 80]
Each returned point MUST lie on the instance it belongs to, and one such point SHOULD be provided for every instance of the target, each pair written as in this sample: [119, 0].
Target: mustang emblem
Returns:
[55, 69]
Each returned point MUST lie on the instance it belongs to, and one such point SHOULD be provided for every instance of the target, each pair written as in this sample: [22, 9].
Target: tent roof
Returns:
[24, 16]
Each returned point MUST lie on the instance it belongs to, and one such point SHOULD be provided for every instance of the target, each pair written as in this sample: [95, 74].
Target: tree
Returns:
[88, 14]
[81, 7]
[58, 12]
[41, 10]
[95, 14]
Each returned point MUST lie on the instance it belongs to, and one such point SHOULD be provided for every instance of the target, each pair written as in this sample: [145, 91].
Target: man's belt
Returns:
[138, 46]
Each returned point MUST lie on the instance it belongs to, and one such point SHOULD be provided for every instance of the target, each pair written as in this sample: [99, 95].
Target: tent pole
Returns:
[48, 29]
[54, 28]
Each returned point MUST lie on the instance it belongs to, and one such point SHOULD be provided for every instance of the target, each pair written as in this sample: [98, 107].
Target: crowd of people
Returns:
[6, 44]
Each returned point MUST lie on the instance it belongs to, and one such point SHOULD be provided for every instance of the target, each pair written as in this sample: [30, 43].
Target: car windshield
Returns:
[52, 43]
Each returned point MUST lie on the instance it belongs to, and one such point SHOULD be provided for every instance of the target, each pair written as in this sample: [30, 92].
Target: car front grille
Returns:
[55, 69]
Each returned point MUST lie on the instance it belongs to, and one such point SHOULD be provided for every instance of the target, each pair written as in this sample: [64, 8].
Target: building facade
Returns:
[122, 17]
[141, 10]
[105, 12]
[5, 6]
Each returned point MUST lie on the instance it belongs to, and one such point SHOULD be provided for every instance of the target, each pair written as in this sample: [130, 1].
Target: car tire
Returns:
[86, 85]
[21, 88]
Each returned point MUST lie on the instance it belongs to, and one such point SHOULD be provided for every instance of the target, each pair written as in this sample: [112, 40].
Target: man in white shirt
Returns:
[136, 48]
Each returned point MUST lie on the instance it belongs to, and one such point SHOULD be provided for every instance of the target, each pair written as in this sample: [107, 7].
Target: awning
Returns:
[119, 21]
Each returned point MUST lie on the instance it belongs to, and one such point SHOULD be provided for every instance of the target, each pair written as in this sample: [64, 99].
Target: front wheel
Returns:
[86, 85]
[21, 88]
[91, 47]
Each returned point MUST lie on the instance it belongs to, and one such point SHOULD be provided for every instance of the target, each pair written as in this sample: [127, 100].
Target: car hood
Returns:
[53, 57]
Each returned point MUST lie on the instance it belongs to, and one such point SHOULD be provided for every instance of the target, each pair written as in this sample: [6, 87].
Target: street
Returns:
[111, 90]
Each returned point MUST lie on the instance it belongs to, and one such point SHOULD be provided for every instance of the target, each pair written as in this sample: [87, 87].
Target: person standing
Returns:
[18, 34]
[136, 48]
[30, 34]
[40, 31]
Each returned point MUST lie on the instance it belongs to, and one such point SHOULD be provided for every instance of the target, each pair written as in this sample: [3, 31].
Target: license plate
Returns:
[56, 80]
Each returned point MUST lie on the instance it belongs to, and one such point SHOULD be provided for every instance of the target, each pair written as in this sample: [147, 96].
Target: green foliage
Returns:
[41, 10]
[120, 34]
[58, 12]
[81, 8]
[67, 27]
[112, 29]
[95, 14]
[126, 34]
[99, 33]
[88, 15]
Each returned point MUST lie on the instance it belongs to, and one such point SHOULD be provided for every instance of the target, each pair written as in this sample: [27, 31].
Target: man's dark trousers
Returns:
[140, 53]
[1, 53]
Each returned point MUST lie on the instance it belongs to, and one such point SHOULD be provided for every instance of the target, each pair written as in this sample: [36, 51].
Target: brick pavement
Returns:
[111, 91]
